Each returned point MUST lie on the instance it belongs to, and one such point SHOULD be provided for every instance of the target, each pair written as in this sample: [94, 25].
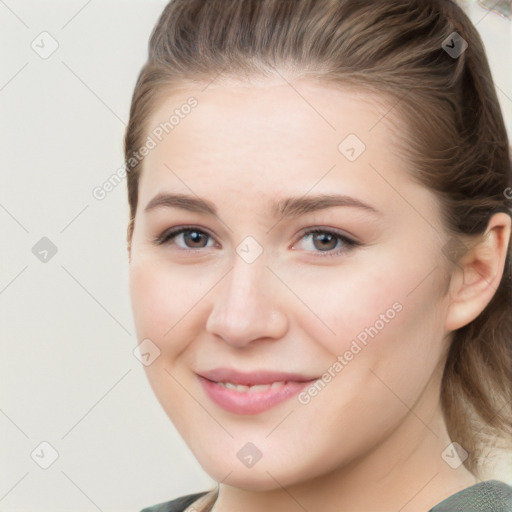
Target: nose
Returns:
[247, 305]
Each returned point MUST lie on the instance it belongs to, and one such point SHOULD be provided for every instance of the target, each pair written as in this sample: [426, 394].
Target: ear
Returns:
[477, 274]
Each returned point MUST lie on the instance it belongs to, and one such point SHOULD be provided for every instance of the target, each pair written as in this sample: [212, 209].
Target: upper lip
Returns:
[252, 378]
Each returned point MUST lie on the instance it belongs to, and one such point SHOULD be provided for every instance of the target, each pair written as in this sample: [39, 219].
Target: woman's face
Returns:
[351, 318]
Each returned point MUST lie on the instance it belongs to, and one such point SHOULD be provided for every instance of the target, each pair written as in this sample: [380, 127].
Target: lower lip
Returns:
[243, 402]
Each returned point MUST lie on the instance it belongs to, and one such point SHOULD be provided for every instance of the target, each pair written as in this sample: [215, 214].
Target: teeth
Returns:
[257, 388]
[236, 387]
[260, 388]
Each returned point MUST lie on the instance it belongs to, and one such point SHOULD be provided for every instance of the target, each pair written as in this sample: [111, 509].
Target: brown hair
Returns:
[458, 144]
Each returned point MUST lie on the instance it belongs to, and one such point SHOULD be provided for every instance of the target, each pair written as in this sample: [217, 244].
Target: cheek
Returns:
[398, 323]
[393, 304]
[160, 298]
[343, 302]
[160, 301]
[388, 345]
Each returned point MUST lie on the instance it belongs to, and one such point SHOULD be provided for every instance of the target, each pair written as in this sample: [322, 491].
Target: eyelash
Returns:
[167, 238]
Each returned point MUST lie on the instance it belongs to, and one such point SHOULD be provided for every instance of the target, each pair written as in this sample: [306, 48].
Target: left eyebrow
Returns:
[285, 208]
[296, 206]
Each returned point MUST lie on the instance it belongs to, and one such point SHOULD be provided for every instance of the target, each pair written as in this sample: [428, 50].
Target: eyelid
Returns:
[326, 229]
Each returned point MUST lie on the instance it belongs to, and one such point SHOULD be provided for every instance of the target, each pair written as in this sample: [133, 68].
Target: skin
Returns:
[372, 439]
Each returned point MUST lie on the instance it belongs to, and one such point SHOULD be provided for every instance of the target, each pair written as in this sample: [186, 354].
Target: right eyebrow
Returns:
[185, 202]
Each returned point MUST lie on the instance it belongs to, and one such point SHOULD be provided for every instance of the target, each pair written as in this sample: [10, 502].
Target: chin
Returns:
[262, 476]
[251, 479]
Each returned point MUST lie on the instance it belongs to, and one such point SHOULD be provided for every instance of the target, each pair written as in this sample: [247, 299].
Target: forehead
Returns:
[275, 114]
[246, 148]
[283, 130]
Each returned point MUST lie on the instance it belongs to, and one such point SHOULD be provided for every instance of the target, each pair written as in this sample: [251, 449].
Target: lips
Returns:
[253, 392]
[252, 378]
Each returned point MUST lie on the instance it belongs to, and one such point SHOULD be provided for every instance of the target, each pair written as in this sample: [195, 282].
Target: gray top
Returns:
[488, 496]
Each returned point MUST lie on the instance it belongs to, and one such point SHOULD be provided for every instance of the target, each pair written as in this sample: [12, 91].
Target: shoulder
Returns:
[176, 505]
[488, 496]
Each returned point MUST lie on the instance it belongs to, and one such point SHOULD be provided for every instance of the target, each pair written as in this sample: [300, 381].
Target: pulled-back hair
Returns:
[456, 141]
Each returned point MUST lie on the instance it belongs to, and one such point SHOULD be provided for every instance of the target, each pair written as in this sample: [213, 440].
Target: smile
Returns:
[250, 393]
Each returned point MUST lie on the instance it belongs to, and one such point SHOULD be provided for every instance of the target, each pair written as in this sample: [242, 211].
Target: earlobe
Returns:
[478, 273]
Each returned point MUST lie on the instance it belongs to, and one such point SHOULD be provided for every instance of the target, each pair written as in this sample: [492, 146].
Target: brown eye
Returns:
[194, 239]
[185, 238]
[328, 243]
[324, 241]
